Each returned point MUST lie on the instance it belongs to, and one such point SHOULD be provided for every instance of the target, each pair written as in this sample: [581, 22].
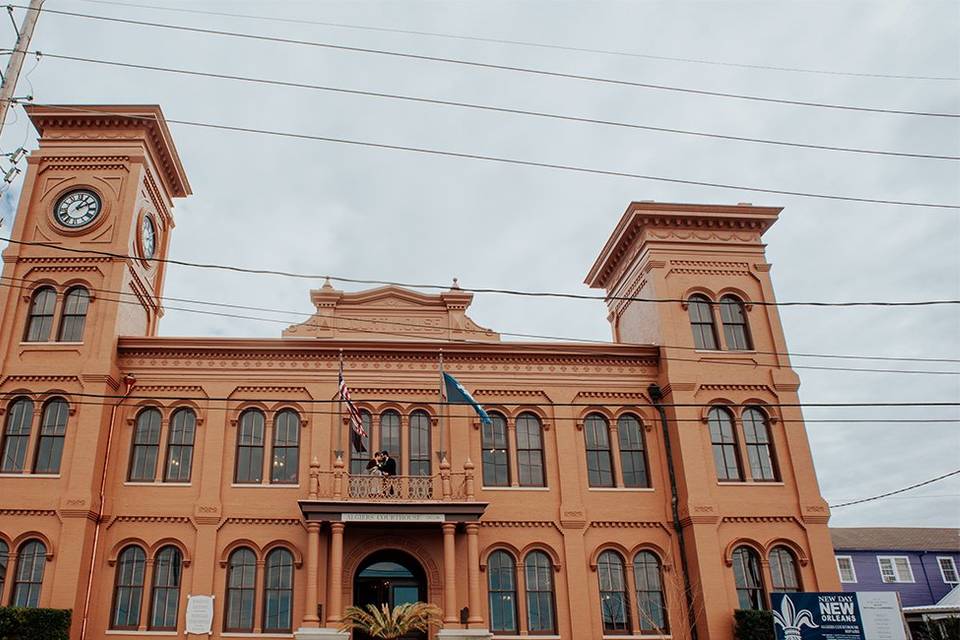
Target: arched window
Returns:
[165, 599]
[16, 435]
[633, 457]
[502, 587]
[146, 445]
[538, 575]
[390, 435]
[529, 451]
[128, 588]
[74, 315]
[4, 559]
[40, 320]
[250, 448]
[278, 591]
[747, 576]
[241, 584]
[756, 435]
[419, 444]
[701, 322]
[651, 605]
[726, 458]
[286, 448]
[614, 603]
[359, 459]
[28, 578]
[183, 429]
[596, 432]
[496, 454]
[736, 333]
[783, 570]
[53, 430]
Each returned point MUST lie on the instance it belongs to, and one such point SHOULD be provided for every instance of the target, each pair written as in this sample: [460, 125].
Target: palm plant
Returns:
[387, 623]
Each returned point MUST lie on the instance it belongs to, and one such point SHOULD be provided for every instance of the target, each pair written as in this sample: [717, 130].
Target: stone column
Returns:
[310, 618]
[473, 572]
[335, 591]
[449, 574]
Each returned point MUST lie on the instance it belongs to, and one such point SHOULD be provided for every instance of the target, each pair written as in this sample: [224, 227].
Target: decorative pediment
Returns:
[391, 313]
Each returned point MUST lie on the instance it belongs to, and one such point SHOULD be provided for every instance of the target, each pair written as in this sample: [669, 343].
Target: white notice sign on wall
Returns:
[199, 616]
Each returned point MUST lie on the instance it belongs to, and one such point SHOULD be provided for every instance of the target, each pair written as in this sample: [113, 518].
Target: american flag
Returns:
[357, 432]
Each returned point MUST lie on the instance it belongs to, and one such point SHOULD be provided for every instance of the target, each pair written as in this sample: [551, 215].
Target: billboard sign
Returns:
[838, 616]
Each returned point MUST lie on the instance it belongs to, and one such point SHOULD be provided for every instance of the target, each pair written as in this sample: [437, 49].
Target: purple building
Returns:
[920, 563]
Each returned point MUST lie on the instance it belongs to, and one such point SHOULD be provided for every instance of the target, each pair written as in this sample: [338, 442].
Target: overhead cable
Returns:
[497, 67]
[891, 493]
[526, 43]
[491, 108]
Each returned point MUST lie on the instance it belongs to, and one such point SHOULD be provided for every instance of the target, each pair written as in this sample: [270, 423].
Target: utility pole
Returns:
[15, 64]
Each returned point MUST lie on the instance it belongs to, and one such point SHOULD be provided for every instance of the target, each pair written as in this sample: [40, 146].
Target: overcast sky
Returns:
[314, 207]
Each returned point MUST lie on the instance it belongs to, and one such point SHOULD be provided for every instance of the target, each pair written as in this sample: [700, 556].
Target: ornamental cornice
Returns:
[383, 392]
[502, 393]
[519, 524]
[286, 391]
[285, 522]
[614, 395]
[65, 269]
[73, 261]
[172, 388]
[151, 520]
[31, 513]
[41, 378]
[756, 519]
[735, 387]
[621, 524]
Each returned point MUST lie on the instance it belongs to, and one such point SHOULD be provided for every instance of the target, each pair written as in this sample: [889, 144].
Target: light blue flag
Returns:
[457, 394]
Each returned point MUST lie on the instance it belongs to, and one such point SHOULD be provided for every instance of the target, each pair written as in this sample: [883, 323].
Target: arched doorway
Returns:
[389, 576]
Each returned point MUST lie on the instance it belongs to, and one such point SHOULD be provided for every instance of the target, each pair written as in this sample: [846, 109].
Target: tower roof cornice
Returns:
[149, 118]
[671, 215]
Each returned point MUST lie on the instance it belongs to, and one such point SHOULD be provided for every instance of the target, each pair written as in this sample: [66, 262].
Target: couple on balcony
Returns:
[382, 464]
[382, 470]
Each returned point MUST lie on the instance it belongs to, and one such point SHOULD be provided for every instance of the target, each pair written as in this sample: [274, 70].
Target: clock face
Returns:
[148, 237]
[77, 208]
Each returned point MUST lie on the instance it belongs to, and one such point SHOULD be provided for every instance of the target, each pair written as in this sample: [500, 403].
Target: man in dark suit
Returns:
[387, 464]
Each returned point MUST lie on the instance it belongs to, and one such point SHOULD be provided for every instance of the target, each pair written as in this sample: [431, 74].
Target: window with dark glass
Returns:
[736, 333]
[701, 322]
[183, 429]
[74, 315]
[530, 451]
[390, 435]
[286, 448]
[241, 587]
[783, 570]
[128, 588]
[4, 559]
[278, 591]
[496, 461]
[726, 458]
[596, 431]
[538, 575]
[40, 320]
[756, 437]
[633, 457]
[16, 435]
[419, 444]
[146, 445]
[747, 576]
[28, 577]
[651, 605]
[250, 448]
[614, 603]
[502, 587]
[165, 596]
[359, 459]
[53, 431]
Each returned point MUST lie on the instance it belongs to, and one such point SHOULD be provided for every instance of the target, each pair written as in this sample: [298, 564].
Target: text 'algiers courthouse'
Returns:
[643, 488]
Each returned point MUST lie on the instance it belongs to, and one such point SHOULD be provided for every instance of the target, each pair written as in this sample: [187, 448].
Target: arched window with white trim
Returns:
[700, 310]
[128, 588]
[165, 591]
[53, 432]
[40, 318]
[74, 315]
[651, 604]
[736, 332]
[502, 590]
[16, 435]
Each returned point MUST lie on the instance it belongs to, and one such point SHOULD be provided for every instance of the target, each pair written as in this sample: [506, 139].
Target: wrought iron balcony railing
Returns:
[446, 486]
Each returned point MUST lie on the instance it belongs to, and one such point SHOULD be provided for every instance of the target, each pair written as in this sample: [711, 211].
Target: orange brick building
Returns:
[642, 488]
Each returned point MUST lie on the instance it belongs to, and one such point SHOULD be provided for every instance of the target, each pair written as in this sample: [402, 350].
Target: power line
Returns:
[498, 67]
[525, 43]
[891, 493]
[724, 357]
[491, 108]
[515, 292]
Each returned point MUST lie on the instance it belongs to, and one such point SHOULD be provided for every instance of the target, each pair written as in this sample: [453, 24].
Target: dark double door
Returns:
[389, 577]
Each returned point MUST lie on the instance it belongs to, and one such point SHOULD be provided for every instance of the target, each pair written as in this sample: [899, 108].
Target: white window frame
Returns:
[896, 574]
[953, 565]
[853, 570]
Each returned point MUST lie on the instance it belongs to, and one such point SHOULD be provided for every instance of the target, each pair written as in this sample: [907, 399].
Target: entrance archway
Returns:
[392, 577]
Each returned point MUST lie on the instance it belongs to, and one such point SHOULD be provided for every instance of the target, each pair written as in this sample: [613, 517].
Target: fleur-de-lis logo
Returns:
[792, 620]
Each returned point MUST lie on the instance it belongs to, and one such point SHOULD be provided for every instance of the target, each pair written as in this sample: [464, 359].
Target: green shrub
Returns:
[753, 624]
[17, 623]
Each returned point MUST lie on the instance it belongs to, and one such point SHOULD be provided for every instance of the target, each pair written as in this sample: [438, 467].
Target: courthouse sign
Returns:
[838, 616]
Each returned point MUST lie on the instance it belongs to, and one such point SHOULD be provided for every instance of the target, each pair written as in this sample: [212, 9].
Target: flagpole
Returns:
[339, 451]
[443, 422]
